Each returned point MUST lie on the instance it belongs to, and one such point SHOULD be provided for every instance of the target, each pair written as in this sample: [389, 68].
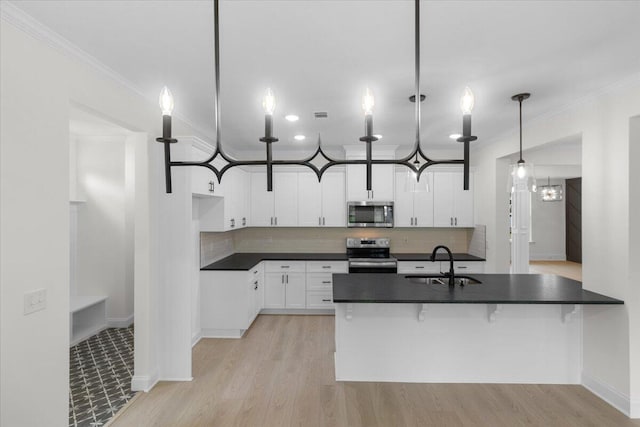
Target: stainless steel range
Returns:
[370, 256]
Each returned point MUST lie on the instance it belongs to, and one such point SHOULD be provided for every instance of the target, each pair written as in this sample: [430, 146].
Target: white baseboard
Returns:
[120, 322]
[547, 257]
[613, 397]
[178, 379]
[634, 411]
[195, 339]
[297, 311]
[221, 333]
[144, 382]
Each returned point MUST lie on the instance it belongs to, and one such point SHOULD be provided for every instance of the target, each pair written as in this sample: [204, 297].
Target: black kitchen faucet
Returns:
[450, 274]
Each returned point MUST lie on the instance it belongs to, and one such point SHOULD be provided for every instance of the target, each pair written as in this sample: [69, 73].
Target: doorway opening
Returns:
[102, 222]
[554, 226]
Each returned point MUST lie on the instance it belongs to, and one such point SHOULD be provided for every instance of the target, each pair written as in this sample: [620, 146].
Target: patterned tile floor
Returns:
[100, 377]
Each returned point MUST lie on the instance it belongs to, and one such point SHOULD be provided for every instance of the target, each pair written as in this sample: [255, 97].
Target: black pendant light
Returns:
[522, 170]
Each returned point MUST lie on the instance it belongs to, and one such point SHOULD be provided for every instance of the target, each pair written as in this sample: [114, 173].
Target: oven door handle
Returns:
[373, 264]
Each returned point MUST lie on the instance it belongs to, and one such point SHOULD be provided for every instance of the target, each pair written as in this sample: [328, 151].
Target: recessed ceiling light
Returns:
[455, 136]
[299, 137]
[292, 117]
[378, 136]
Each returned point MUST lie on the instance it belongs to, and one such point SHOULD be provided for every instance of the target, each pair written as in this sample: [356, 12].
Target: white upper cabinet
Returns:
[278, 207]
[228, 211]
[411, 208]
[321, 203]
[203, 181]
[452, 206]
[261, 201]
[382, 183]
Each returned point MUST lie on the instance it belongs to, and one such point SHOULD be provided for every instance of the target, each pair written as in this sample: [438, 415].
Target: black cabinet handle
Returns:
[327, 282]
[211, 186]
[326, 300]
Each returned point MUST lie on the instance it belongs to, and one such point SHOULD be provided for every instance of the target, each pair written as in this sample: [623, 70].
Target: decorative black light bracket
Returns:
[308, 162]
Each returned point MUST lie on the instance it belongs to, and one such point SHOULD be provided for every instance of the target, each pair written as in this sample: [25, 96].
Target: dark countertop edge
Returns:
[228, 264]
[614, 302]
[457, 256]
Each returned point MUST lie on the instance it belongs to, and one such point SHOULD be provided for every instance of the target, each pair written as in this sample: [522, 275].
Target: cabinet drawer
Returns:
[327, 267]
[319, 300]
[320, 281]
[256, 273]
[417, 267]
[285, 267]
[463, 267]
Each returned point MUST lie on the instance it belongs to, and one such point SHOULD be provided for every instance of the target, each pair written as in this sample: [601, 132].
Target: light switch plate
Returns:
[35, 301]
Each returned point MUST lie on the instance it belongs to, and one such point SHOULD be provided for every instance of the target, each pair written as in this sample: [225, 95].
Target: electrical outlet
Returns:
[35, 301]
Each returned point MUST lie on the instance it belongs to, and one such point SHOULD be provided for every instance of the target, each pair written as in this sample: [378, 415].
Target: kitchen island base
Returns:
[459, 343]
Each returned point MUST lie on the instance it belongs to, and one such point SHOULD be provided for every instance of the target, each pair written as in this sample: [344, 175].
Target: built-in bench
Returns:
[87, 317]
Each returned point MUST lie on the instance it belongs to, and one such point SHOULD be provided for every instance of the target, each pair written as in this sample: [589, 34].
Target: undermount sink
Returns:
[438, 279]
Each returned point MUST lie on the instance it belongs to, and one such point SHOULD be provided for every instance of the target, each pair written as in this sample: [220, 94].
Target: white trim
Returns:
[196, 338]
[604, 391]
[144, 382]
[546, 256]
[177, 379]
[222, 333]
[119, 322]
[197, 142]
[12, 14]
[634, 412]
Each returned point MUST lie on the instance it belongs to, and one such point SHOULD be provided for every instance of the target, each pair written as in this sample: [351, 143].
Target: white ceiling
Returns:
[320, 55]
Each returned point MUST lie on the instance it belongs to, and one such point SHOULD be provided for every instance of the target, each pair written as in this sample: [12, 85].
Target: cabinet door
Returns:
[463, 201]
[230, 184]
[296, 291]
[443, 199]
[334, 206]
[274, 290]
[382, 182]
[423, 204]
[285, 189]
[403, 205]
[201, 177]
[245, 200]
[357, 183]
[310, 199]
[261, 201]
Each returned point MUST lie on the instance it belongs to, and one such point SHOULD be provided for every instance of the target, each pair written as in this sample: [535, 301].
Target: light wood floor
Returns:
[569, 269]
[281, 374]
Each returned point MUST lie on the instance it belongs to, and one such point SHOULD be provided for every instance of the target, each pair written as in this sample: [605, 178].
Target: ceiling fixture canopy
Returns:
[319, 162]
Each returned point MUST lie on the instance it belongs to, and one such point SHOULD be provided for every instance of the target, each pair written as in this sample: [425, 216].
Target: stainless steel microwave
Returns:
[369, 214]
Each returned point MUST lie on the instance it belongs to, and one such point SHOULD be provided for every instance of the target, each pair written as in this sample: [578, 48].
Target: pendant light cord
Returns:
[520, 102]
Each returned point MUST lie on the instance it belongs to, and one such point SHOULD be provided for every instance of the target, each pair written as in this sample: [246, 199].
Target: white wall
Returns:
[38, 85]
[548, 226]
[105, 232]
[34, 225]
[609, 361]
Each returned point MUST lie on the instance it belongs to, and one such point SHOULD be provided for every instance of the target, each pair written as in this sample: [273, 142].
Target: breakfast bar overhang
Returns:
[510, 328]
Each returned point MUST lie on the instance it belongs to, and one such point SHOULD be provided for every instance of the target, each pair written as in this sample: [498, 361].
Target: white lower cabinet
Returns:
[428, 267]
[285, 284]
[320, 282]
[230, 301]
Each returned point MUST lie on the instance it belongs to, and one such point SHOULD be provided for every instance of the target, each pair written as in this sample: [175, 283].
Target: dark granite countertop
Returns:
[244, 261]
[440, 256]
[494, 289]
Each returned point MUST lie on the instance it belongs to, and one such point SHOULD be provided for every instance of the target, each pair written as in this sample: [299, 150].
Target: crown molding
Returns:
[15, 16]
[628, 82]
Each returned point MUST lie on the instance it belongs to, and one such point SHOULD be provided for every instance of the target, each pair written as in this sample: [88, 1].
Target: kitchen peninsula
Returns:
[521, 328]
